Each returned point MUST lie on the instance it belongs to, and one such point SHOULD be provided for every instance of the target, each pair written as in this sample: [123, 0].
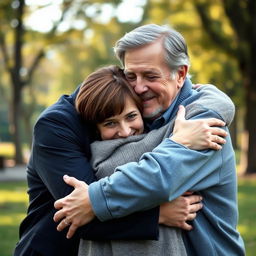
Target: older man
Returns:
[156, 65]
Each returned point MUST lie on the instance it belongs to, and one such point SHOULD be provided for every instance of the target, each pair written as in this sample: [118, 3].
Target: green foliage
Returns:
[209, 63]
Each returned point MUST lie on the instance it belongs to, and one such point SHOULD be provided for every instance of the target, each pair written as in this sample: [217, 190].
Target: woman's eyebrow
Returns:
[131, 112]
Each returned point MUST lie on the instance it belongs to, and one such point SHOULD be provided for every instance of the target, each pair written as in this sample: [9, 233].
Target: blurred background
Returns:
[48, 47]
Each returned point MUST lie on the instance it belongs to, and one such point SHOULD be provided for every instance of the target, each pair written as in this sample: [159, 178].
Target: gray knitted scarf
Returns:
[109, 154]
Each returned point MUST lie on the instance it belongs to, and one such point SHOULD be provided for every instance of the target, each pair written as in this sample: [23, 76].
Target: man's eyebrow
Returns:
[151, 71]
[127, 72]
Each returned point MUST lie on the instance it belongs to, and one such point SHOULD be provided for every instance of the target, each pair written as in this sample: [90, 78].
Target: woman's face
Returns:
[128, 123]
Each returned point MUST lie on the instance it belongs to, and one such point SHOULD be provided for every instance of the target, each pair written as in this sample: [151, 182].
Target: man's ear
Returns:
[181, 75]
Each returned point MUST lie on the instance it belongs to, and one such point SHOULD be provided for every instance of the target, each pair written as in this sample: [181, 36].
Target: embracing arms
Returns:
[102, 193]
[61, 146]
[179, 216]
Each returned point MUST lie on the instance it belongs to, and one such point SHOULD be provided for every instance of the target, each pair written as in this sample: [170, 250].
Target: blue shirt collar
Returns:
[167, 115]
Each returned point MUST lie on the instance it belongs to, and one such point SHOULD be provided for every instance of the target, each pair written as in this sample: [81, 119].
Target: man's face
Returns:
[149, 75]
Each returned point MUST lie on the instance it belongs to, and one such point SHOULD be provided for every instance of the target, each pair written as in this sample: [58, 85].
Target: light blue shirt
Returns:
[164, 119]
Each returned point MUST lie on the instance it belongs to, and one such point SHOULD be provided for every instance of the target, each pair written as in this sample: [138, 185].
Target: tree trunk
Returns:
[233, 132]
[17, 83]
[251, 92]
[250, 127]
[16, 106]
[242, 17]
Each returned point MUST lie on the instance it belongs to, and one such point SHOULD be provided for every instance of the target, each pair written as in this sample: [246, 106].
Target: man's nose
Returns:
[139, 86]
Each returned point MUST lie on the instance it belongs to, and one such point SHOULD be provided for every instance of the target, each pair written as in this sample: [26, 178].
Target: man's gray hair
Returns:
[173, 42]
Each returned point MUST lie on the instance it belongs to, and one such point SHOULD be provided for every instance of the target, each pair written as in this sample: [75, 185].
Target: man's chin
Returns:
[152, 114]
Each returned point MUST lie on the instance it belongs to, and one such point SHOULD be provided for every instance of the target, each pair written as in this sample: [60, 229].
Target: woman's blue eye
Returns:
[132, 116]
[109, 124]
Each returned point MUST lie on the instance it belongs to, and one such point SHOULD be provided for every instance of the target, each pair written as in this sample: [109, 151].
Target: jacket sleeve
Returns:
[59, 148]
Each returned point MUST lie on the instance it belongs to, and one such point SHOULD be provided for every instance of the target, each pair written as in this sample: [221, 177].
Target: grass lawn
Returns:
[247, 213]
[13, 204]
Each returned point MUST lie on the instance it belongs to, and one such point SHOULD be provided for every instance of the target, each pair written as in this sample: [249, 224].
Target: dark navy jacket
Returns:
[61, 145]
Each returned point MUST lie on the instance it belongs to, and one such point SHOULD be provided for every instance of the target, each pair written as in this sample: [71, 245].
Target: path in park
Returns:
[16, 173]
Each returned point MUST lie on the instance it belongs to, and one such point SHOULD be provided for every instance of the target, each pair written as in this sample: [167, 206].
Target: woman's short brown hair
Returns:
[103, 94]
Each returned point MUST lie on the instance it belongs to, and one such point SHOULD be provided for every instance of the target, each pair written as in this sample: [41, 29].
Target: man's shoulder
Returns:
[63, 108]
[59, 117]
[210, 98]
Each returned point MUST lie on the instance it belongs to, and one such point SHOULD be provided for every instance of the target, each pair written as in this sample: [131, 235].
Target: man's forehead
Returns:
[141, 70]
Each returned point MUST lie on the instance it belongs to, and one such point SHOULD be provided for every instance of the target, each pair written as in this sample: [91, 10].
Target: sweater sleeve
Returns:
[210, 97]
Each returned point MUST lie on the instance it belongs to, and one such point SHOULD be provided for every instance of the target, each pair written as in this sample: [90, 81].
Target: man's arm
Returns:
[76, 208]
[77, 205]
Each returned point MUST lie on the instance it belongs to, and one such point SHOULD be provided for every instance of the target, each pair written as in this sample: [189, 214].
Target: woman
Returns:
[110, 104]
[106, 94]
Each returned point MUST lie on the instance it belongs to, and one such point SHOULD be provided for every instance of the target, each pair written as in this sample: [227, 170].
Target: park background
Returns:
[48, 47]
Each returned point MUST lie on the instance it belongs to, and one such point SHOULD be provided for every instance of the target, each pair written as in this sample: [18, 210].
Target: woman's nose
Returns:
[124, 131]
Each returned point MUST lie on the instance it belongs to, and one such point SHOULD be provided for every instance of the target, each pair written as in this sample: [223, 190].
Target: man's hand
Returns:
[198, 134]
[75, 209]
[180, 210]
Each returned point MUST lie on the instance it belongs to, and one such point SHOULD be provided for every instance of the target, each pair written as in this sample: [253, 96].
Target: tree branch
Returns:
[66, 7]
[213, 29]
[51, 34]
[18, 33]
[237, 12]
[34, 66]
[5, 53]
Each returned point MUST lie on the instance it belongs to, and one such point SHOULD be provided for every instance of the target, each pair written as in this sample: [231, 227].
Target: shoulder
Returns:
[63, 108]
[61, 119]
[209, 91]
[209, 97]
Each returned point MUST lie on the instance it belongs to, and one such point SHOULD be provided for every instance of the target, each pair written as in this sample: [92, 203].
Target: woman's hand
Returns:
[198, 134]
[180, 210]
